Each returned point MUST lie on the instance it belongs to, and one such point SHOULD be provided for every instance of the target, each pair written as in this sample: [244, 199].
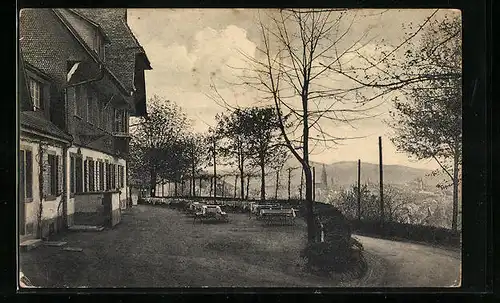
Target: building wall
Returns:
[51, 209]
[94, 154]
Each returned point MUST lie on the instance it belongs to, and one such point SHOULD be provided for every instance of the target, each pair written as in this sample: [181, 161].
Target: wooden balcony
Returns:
[121, 144]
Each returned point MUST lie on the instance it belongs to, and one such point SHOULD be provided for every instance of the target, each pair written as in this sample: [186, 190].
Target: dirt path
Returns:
[413, 265]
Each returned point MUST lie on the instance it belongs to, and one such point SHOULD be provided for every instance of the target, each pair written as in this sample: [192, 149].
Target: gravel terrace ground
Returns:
[161, 247]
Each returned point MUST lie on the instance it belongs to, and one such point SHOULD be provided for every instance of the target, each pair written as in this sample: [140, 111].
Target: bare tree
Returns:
[294, 70]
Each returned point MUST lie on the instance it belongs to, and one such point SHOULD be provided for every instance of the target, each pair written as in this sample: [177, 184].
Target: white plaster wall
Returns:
[49, 208]
[97, 155]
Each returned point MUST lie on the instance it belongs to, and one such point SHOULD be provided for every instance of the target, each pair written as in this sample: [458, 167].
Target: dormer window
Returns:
[36, 94]
[99, 44]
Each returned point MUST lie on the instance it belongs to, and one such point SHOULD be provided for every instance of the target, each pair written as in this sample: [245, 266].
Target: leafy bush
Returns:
[337, 255]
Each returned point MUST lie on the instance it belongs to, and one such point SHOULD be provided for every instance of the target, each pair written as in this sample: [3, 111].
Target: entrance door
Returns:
[22, 192]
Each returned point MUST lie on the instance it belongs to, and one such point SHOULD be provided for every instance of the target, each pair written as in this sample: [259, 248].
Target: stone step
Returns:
[85, 228]
[28, 245]
[54, 243]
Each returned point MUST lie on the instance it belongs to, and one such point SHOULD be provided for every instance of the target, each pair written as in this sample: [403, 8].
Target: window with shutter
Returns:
[91, 176]
[50, 175]
[114, 177]
[59, 175]
[101, 175]
[22, 177]
[46, 175]
[72, 174]
[29, 174]
[85, 176]
[78, 175]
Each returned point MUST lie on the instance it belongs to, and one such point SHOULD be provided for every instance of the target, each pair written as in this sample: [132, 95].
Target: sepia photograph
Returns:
[301, 148]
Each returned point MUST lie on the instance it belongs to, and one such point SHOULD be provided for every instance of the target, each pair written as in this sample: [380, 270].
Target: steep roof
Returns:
[121, 52]
[37, 122]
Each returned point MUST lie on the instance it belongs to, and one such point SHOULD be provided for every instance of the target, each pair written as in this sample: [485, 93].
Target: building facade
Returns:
[81, 76]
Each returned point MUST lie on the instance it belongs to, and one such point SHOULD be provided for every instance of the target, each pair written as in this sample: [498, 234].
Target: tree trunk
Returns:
[242, 184]
[175, 188]
[311, 230]
[199, 185]
[301, 184]
[211, 185]
[248, 186]
[262, 181]
[152, 182]
[235, 183]
[277, 184]
[454, 222]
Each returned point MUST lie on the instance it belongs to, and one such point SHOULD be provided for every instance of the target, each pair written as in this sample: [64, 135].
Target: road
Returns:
[161, 247]
[403, 264]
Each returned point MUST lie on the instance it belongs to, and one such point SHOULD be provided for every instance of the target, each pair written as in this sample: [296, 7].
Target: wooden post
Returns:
[314, 184]
[359, 190]
[224, 186]
[277, 184]
[381, 167]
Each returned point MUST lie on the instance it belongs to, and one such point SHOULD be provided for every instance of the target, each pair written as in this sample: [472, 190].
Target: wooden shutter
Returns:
[29, 174]
[46, 174]
[59, 175]
[22, 177]
[72, 171]
[85, 176]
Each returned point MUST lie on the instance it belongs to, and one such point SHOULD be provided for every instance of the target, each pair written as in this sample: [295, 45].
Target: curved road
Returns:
[403, 264]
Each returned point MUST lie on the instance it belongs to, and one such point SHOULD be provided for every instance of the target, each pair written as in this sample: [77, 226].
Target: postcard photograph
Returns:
[173, 148]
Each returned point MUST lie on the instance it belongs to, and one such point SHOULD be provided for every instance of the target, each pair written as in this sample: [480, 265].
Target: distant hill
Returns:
[344, 174]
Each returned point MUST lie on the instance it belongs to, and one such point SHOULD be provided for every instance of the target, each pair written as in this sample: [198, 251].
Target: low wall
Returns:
[90, 209]
[115, 216]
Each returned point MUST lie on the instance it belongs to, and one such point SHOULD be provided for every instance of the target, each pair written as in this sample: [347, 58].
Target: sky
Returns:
[192, 49]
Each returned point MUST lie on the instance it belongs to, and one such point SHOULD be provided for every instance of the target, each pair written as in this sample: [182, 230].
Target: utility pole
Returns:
[359, 190]
[215, 172]
[289, 177]
[314, 184]
[277, 184]
[381, 167]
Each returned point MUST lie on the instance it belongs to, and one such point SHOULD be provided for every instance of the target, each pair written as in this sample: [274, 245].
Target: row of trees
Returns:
[304, 51]
[164, 148]
[302, 54]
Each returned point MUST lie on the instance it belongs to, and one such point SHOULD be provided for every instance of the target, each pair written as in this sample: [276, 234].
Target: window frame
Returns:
[28, 171]
[53, 167]
[37, 98]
